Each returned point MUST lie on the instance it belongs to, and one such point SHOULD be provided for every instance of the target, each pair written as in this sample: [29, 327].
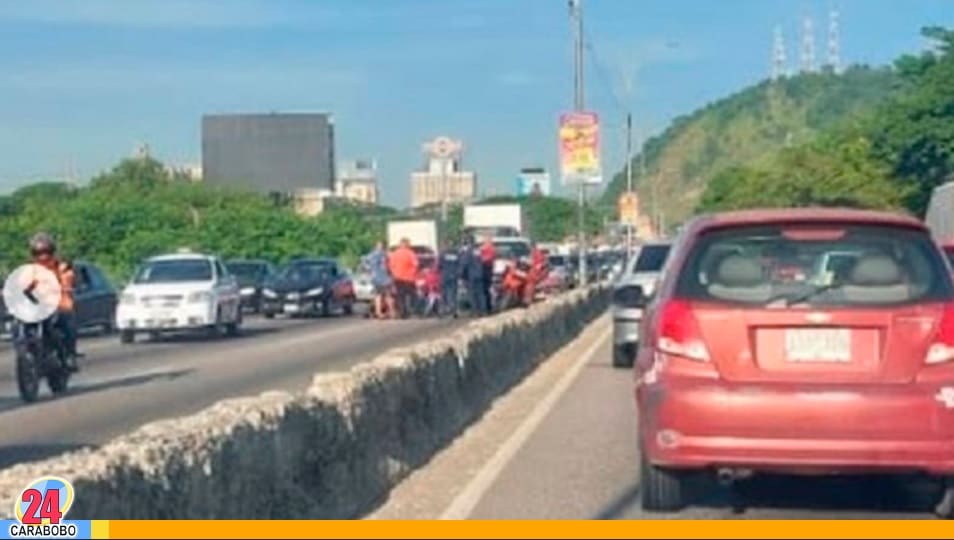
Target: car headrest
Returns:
[875, 271]
[739, 271]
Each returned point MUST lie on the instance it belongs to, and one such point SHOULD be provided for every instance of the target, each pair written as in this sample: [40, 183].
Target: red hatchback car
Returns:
[809, 341]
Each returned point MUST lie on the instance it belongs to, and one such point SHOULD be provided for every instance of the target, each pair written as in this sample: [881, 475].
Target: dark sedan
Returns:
[251, 275]
[309, 287]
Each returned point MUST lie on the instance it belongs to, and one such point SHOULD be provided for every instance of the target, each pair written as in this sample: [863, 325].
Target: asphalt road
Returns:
[577, 460]
[121, 387]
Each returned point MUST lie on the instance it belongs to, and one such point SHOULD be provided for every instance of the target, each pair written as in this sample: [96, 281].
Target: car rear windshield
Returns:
[557, 260]
[651, 258]
[857, 265]
[949, 252]
[174, 271]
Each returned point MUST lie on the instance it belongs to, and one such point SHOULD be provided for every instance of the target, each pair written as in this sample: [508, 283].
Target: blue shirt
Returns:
[377, 263]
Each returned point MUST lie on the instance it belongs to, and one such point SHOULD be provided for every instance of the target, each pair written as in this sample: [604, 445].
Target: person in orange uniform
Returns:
[488, 254]
[43, 253]
[403, 266]
[535, 275]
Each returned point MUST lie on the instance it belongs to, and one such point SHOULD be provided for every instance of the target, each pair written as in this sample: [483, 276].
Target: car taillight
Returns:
[679, 333]
[942, 350]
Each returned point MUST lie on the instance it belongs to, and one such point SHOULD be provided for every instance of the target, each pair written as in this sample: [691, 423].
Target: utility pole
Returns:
[629, 178]
[576, 17]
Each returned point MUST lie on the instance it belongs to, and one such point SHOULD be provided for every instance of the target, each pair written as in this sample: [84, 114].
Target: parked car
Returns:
[309, 287]
[631, 291]
[559, 278]
[180, 292]
[95, 298]
[746, 370]
[251, 276]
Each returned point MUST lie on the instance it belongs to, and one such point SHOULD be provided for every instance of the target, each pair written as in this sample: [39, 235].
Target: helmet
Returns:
[42, 243]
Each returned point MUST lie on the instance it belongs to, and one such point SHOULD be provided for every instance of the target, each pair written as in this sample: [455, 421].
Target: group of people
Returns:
[395, 275]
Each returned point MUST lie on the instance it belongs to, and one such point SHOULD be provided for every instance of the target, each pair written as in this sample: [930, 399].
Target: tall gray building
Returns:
[270, 153]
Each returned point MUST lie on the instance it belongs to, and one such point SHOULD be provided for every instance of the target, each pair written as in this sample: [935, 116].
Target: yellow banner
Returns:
[580, 146]
[629, 209]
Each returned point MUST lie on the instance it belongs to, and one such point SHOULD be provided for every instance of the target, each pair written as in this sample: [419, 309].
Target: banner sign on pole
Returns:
[580, 148]
[629, 209]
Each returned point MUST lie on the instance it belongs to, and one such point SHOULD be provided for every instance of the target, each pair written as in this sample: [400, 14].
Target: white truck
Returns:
[421, 233]
[499, 220]
[940, 213]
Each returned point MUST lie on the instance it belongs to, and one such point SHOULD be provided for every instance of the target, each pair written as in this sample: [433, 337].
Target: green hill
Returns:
[744, 129]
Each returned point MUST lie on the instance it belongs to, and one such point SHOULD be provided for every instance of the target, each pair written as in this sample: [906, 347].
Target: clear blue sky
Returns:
[82, 81]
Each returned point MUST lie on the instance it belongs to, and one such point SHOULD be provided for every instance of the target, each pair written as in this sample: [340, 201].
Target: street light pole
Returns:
[629, 178]
[576, 15]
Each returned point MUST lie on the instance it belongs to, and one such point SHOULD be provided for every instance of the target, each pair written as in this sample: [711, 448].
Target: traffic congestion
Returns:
[412, 275]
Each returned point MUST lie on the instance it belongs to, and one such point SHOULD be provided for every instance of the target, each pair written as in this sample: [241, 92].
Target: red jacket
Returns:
[488, 253]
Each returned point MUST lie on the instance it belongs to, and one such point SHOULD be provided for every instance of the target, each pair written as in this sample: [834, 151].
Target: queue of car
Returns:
[804, 342]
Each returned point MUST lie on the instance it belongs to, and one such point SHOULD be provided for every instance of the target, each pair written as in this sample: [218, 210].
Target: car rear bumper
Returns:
[626, 326]
[797, 429]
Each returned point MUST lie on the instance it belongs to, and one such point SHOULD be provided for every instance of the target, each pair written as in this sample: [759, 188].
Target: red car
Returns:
[847, 371]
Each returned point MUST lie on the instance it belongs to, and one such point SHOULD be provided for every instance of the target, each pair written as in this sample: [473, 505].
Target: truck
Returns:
[422, 234]
[497, 220]
[940, 213]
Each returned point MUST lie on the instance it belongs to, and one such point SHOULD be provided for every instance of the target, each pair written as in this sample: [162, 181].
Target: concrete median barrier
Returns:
[332, 451]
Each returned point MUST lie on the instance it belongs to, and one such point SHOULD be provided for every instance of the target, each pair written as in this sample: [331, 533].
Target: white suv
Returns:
[174, 293]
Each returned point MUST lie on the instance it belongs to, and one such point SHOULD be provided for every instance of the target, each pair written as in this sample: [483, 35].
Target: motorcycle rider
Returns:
[538, 271]
[472, 272]
[488, 255]
[43, 253]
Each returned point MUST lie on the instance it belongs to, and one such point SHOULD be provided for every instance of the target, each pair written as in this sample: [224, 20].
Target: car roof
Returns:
[801, 215]
[182, 257]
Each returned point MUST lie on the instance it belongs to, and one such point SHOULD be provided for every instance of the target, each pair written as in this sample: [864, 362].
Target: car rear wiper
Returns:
[804, 297]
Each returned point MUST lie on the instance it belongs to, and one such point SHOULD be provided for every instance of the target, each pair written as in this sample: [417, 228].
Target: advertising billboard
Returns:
[629, 209]
[580, 148]
[533, 182]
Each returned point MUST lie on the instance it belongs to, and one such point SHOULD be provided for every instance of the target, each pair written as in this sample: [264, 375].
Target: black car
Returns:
[309, 287]
[251, 276]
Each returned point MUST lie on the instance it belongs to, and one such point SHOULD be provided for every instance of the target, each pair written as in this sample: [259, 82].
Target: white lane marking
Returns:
[468, 499]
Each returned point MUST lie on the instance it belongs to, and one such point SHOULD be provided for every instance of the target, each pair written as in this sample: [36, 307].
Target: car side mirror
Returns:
[631, 296]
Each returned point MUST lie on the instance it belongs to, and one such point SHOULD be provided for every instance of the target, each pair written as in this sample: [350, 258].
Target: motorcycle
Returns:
[513, 285]
[40, 353]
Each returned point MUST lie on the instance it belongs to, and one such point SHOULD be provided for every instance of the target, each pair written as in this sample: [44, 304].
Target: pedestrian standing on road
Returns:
[488, 254]
[472, 273]
[403, 264]
[449, 266]
[377, 262]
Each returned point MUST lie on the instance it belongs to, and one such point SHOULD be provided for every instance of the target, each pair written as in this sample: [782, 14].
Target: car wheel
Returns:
[348, 307]
[233, 328]
[624, 355]
[269, 315]
[108, 328]
[326, 308]
[945, 507]
[127, 337]
[660, 489]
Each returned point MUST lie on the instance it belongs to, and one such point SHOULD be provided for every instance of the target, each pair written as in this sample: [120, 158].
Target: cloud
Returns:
[159, 13]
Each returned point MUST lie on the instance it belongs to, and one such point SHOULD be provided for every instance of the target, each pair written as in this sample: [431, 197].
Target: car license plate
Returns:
[292, 308]
[818, 345]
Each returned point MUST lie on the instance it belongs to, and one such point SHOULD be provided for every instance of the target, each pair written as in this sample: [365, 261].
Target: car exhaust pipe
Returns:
[727, 476]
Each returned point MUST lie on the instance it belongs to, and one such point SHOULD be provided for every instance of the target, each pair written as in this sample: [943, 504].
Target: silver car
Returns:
[631, 291]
